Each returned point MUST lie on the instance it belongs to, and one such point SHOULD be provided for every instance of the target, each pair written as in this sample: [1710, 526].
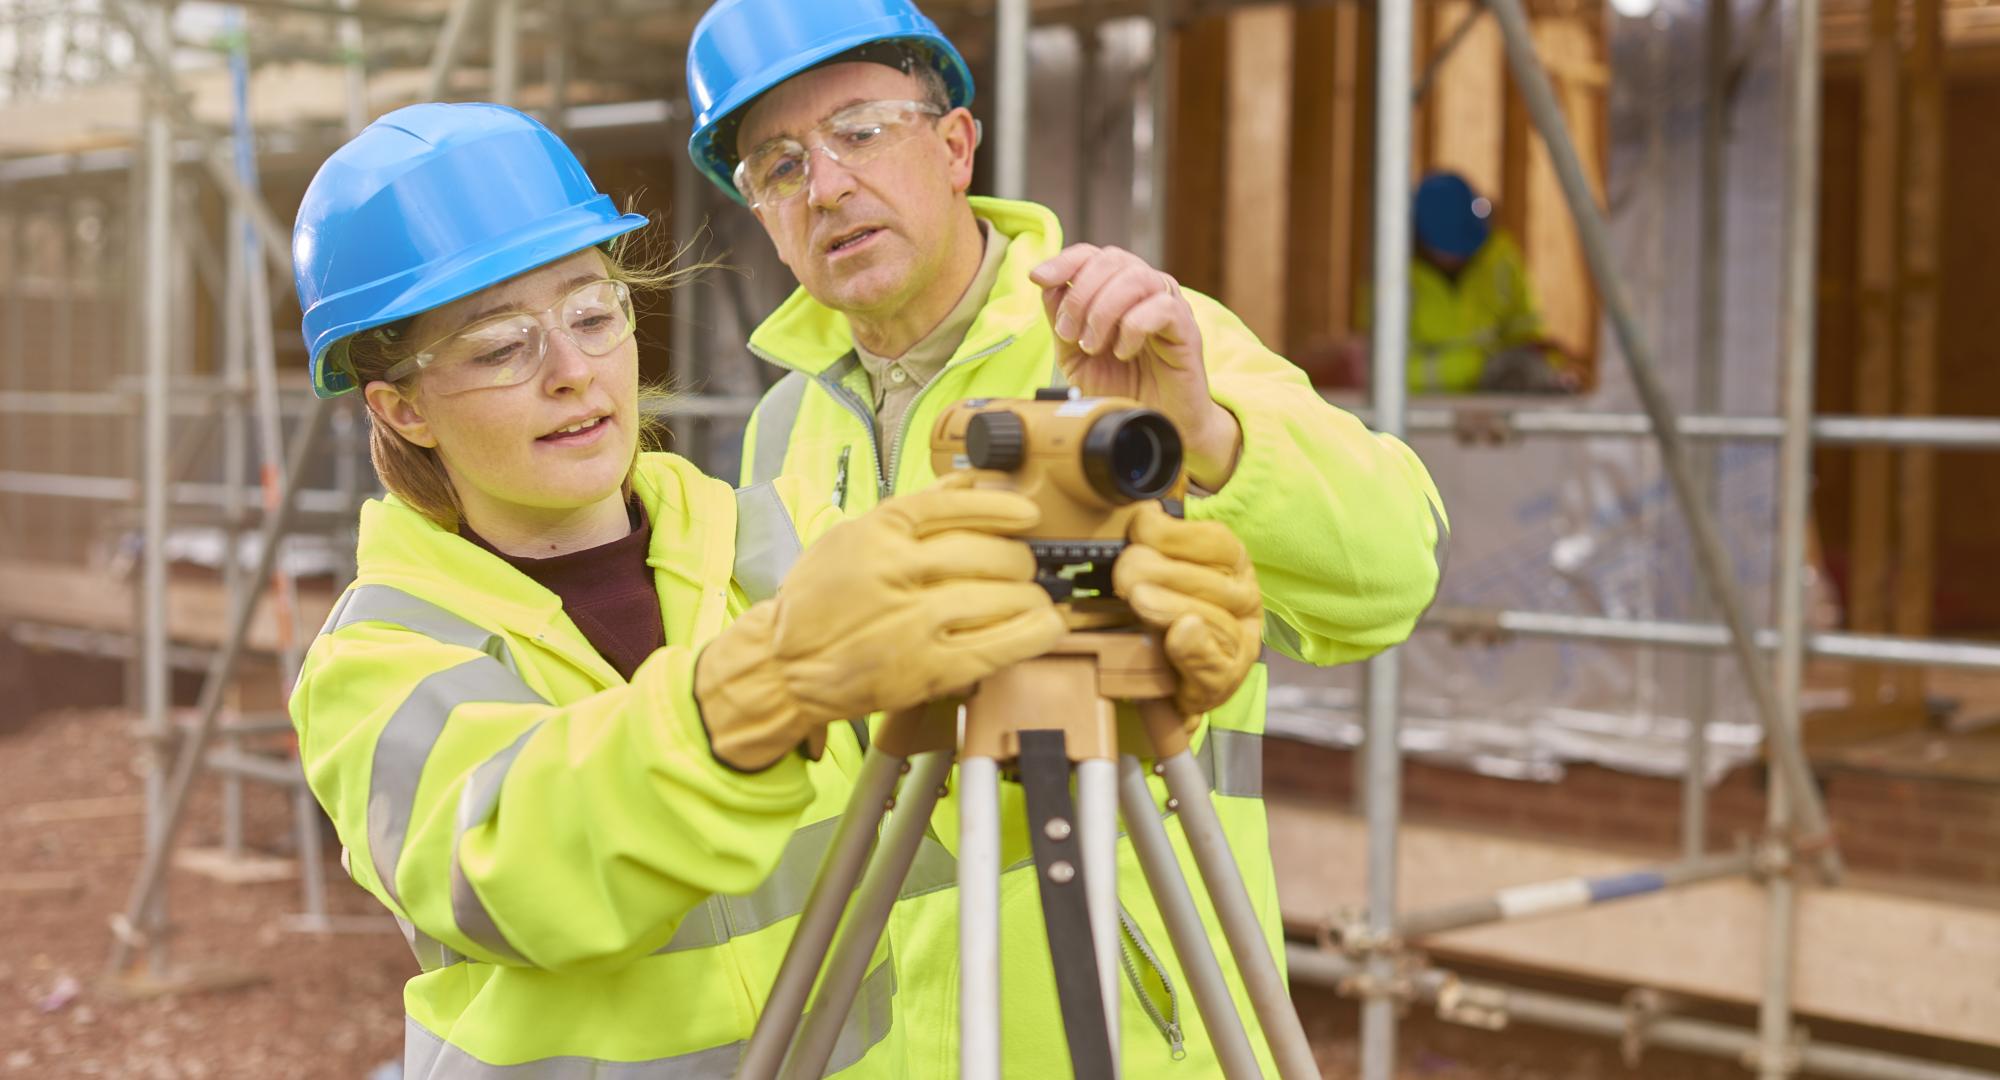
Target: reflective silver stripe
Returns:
[1234, 762]
[775, 416]
[1283, 636]
[706, 925]
[767, 541]
[427, 1056]
[405, 745]
[781, 896]
[431, 953]
[387, 604]
[934, 869]
[476, 803]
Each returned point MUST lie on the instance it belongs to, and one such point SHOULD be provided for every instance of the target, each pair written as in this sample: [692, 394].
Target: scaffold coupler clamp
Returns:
[1471, 1005]
[1476, 426]
[1791, 1060]
[1644, 1006]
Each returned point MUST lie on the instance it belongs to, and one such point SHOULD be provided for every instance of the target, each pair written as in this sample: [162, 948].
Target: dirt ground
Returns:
[329, 1006]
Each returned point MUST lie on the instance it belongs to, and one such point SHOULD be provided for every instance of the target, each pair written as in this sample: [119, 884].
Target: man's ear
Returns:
[961, 141]
[396, 409]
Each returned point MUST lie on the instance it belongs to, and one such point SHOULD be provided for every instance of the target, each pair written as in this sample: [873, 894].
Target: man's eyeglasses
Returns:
[510, 349]
[778, 170]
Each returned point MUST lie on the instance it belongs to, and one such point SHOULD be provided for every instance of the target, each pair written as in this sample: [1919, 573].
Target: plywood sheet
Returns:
[1872, 958]
[197, 611]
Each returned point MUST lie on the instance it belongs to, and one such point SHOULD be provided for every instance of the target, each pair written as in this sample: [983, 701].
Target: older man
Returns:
[842, 125]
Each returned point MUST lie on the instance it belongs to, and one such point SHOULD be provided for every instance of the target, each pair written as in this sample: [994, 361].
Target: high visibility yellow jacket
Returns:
[582, 882]
[1456, 324]
[1347, 534]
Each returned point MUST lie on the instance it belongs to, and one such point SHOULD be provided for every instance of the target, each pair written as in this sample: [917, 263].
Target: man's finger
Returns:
[1063, 266]
[1149, 318]
[1084, 285]
[1103, 320]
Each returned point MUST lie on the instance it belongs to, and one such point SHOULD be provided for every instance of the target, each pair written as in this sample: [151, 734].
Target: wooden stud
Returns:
[1875, 353]
[1923, 200]
[1196, 211]
[1257, 152]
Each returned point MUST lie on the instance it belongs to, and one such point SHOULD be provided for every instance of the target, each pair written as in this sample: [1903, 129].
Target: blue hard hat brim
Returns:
[395, 299]
[1460, 242]
[701, 145]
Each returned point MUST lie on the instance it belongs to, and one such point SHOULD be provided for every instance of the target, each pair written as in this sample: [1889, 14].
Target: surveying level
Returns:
[1092, 707]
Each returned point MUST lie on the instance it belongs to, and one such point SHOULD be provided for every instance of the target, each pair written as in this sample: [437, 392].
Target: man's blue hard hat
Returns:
[1450, 217]
[741, 48]
[428, 204]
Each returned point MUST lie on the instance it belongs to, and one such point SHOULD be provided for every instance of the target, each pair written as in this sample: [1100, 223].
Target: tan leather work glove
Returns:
[1193, 581]
[920, 597]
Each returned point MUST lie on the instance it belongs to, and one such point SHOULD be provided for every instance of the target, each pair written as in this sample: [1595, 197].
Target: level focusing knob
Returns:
[995, 440]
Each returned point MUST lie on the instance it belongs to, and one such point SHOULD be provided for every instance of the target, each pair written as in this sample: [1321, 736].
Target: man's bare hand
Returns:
[1123, 329]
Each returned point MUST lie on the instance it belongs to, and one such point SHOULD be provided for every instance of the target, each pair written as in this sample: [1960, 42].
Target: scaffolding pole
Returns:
[1496, 623]
[157, 441]
[1382, 793]
[1719, 17]
[1010, 109]
[1781, 731]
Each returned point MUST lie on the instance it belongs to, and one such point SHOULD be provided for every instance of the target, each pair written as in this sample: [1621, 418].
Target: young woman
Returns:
[557, 719]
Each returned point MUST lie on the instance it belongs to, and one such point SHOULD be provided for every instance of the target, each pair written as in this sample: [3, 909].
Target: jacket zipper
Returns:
[893, 458]
[884, 465]
[848, 398]
[1168, 1020]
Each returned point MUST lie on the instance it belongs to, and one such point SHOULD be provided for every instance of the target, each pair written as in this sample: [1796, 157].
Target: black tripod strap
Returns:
[1059, 869]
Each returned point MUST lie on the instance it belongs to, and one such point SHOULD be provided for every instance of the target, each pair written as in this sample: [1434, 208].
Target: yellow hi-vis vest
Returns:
[1347, 533]
[1457, 323]
[587, 890]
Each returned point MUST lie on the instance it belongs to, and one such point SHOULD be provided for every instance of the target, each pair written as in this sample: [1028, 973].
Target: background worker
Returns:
[1475, 325]
[842, 125]
[555, 717]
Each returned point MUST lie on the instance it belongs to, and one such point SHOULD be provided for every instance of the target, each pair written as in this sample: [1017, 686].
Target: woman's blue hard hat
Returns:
[429, 204]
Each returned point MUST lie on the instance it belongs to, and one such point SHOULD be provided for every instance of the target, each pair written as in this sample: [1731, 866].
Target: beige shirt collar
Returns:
[923, 360]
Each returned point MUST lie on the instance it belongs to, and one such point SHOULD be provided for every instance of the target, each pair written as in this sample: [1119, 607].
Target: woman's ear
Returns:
[395, 408]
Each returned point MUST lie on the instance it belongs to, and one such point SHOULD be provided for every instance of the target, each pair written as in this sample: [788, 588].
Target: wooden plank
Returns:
[1257, 148]
[1903, 963]
[1468, 107]
[89, 808]
[1875, 346]
[1923, 203]
[1554, 254]
[1315, 185]
[1343, 225]
[1195, 203]
[197, 611]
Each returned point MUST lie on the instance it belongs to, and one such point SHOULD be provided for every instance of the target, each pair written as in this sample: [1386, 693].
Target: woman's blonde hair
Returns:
[416, 474]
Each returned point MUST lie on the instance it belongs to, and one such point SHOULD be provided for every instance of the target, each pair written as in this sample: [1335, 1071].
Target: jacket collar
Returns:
[400, 547]
[806, 335]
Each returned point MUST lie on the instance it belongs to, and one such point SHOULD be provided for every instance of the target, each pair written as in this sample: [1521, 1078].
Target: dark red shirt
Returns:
[607, 591]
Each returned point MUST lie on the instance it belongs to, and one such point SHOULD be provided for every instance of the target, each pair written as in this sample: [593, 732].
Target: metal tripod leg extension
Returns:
[845, 858]
[1239, 922]
[979, 918]
[1184, 929]
[861, 930]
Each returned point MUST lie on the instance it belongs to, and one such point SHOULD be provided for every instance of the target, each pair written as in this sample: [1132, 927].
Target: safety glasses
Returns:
[778, 171]
[508, 350]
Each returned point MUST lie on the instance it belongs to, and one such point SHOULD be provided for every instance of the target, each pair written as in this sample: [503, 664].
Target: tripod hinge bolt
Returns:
[1057, 829]
[1061, 872]
[1173, 804]
[1159, 768]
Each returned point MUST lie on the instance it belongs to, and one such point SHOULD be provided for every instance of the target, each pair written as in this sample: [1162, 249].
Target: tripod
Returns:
[1042, 717]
